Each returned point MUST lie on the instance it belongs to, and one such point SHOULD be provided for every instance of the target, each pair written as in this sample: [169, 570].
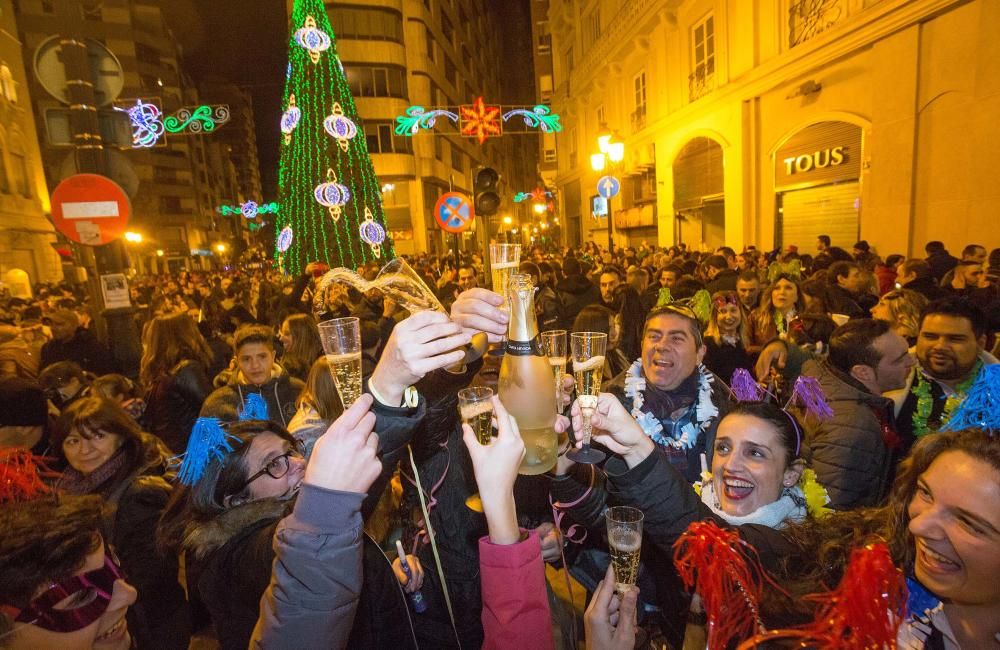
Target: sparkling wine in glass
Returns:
[341, 339]
[475, 406]
[588, 350]
[625, 540]
[554, 344]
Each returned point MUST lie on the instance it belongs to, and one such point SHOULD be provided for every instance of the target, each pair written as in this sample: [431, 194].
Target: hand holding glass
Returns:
[625, 539]
[341, 339]
[588, 350]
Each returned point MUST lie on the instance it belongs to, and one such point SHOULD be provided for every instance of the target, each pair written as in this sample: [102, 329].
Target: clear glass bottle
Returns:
[525, 384]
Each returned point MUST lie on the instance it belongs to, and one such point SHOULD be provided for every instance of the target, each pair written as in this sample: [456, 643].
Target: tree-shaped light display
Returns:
[330, 199]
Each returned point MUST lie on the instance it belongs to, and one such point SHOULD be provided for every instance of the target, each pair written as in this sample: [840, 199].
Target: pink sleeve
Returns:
[515, 602]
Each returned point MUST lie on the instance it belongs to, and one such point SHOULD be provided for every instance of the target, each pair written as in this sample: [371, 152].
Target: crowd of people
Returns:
[798, 407]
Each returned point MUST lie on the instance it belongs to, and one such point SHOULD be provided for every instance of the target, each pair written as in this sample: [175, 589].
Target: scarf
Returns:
[691, 403]
[75, 482]
[790, 507]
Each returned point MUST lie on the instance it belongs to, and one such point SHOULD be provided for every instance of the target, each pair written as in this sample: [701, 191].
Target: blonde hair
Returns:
[720, 299]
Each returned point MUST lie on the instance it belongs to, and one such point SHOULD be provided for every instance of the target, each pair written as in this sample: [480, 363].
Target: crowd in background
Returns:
[260, 551]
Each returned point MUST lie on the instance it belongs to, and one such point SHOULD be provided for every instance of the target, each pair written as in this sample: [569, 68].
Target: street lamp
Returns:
[611, 154]
[133, 237]
[220, 247]
[540, 208]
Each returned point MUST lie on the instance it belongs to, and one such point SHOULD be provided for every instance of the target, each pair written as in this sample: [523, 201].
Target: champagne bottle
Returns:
[525, 384]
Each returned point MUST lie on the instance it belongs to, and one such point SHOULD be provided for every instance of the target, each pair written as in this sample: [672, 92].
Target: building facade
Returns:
[26, 235]
[400, 53]
[175, 184]
[769, 123]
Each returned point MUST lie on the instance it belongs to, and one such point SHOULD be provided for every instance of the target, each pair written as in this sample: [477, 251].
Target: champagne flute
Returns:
[554, 345]
[625, 539]
[341, 339]
[588, 366]
[504, 261]
[475, 406]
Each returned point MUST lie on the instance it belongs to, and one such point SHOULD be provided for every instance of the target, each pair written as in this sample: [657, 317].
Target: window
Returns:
[702, 74]
[544, 43]
[381, 139]
[20, 175]
[447, 29]
[703, 44]
[569, 62]
[170, 204]
[450, 73]
[572, 148]
[147, 54]
[47, 7]
[4, 183]
[376, 81]
[93, 13]
[593, 23]
[545, 88]
[457, 160]
[429, 35]
[639, 87]
[368, 23]
[601, 121]
[7, 84]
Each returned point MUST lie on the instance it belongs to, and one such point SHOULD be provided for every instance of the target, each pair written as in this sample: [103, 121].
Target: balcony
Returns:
[700, 82]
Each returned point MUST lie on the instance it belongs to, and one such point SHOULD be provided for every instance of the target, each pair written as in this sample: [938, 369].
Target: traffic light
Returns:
[487, 198]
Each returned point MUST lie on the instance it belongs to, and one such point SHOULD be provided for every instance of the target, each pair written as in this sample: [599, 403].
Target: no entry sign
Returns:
[90, 209]
[454, 212]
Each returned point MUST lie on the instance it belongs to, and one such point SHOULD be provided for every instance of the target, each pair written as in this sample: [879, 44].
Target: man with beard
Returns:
[950, 355]
[675, 399]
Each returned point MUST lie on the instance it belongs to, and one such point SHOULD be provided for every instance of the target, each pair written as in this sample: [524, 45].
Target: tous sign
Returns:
[816, 160]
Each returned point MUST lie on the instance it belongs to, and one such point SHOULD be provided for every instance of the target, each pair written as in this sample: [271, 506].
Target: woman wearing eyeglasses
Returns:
[224, 523]
[108, 455]
[61, 587]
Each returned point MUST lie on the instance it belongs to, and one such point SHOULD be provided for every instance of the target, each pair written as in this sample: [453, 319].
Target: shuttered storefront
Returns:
[817, 174]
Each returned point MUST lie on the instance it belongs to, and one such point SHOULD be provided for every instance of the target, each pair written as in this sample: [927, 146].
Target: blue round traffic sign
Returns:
[454, 212]
[608, 186]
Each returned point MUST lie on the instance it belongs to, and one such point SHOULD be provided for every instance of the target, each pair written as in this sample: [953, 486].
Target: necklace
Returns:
[925, 401]
[704, 409]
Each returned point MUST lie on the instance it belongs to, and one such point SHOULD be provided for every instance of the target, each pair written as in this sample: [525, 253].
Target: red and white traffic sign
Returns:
[90, 209]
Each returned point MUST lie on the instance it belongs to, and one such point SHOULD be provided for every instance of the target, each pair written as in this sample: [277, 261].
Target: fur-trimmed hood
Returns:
[203, 537]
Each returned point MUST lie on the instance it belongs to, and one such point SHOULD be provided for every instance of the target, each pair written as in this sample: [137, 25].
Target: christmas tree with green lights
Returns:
[331, 204]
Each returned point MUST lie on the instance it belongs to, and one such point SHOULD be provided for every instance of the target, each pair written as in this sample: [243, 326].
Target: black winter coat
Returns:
[83, 349]
[575, 292]
[160, 617]
[173, 403]
[279, 392]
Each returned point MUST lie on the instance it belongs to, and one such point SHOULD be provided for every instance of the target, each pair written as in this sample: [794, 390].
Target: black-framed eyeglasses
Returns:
[277, 467]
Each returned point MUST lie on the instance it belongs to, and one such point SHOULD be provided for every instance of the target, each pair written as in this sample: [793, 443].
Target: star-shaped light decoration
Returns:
[479, 121]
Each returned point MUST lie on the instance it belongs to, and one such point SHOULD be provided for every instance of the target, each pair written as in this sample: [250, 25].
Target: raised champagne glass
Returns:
[504, 261]
[625, 540]
[554, 345]
[341, 339]
[475, 406]
[588, 349]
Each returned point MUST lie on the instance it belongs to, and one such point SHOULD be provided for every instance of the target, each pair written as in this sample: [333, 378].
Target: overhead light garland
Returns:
[249, 209]
[149, 125]
[480, 120]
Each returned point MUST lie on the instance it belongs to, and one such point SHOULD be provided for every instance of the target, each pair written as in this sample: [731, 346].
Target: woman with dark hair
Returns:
[51, 555]
[300, 338]
[108, 455]
[173, 371]
[779, 304]
[940, 526]
[64, 382]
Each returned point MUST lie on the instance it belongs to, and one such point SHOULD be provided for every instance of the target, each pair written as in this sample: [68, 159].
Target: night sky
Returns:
[244, 42]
